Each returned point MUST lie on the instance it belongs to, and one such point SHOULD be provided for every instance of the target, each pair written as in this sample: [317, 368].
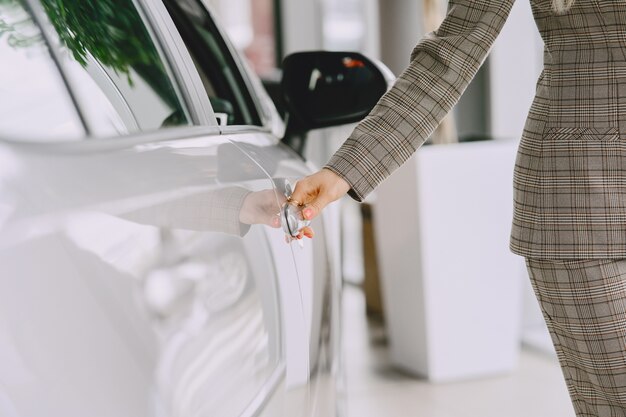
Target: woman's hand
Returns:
[317, 191]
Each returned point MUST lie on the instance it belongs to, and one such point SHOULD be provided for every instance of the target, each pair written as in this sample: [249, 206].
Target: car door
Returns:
[128, 284]
[312, 358]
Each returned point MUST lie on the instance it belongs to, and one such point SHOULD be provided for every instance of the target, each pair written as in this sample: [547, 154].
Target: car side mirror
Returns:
[323, 89]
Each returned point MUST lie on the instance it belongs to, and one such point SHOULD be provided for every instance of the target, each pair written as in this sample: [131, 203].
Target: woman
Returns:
[570, 174]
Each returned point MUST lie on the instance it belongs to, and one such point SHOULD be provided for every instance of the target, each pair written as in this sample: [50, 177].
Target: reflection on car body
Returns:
[143, 271]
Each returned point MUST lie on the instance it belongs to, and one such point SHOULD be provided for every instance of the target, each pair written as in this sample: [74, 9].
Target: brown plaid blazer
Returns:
[570, 173]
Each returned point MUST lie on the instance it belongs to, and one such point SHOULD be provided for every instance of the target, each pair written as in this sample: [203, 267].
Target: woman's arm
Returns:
[442, 66]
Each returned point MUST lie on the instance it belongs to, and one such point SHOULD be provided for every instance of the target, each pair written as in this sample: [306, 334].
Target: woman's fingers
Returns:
[315, 207]
[308, 232]
[305, 232]
[316, 191]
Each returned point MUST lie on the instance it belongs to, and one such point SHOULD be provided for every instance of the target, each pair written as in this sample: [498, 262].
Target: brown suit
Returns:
[570, 174]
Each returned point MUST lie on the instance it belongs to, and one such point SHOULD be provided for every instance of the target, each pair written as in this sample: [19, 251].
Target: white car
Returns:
[143, 269]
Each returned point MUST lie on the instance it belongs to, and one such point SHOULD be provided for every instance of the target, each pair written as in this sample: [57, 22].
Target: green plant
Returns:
[110, 30]
[113, 33]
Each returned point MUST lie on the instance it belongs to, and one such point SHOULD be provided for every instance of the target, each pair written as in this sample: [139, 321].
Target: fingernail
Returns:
[308, 213]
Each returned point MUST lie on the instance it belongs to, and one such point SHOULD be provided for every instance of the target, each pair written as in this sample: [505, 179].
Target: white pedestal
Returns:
[451, 287]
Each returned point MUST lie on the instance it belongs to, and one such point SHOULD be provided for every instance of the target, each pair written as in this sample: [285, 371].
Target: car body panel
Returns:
[91, 236]
[129, 286]
[89, 232]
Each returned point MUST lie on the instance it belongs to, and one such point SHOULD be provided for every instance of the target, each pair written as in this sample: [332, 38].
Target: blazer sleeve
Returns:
[442, 65]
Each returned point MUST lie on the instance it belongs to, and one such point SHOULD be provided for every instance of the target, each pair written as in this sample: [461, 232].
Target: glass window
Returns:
[121, 79]
[218, 70]
[34, 103]
[252, 27]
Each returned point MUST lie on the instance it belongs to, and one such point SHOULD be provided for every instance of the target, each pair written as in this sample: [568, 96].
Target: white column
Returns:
[372, 41]
[451, 287]
[302, 25]
[401, 26]
[515, 64]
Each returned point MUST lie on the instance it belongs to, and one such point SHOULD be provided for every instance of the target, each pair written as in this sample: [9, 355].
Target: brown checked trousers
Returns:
[570, 173]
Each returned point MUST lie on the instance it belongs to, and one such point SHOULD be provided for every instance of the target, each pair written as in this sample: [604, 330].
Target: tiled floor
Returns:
[375, 389]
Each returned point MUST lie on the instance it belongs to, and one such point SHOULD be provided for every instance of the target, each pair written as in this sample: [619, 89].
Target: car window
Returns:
[34, 103]
[121, 78]
[222, 80]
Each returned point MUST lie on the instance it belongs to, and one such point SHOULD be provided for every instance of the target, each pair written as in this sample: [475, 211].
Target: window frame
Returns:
[40, 19]
[195, 110]
[166, 36]
[186, 81]
[271, 122]
[248, 105]
[266, 116]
